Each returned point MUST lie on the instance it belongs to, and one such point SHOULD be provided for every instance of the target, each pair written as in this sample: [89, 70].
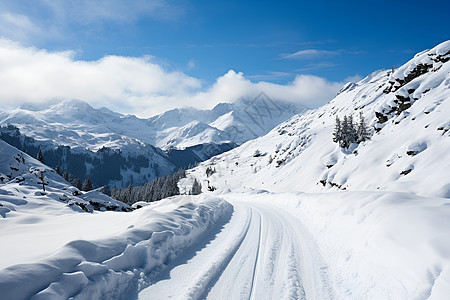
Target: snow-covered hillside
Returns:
[137, 164]
[76, 124]
[28, 187]
[409, 150]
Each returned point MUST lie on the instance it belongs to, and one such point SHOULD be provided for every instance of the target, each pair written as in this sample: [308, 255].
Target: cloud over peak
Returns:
[137, 85]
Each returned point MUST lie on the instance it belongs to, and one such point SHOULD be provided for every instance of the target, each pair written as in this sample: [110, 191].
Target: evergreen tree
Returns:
[352, 134]
[66, 177]
[154, 190]
[107, 190]
[87, 185]
[76, 182]
[363, 131]
[40, 157]
[345, 134]
[196, 188]
[337, 134]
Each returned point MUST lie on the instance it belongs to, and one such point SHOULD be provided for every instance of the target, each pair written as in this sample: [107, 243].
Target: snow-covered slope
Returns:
[227, 122]
[193, 133]
[409, 151]
[22, 191]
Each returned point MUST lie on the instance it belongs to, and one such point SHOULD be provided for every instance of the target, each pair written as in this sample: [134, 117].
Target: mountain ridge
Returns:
[75, 123]
[407, 112]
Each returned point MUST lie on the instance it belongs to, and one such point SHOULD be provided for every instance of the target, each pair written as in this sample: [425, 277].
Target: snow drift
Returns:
[116, 259]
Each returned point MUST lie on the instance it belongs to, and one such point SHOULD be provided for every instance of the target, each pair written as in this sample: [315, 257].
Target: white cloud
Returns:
[134, 85]
[308, 90]
[18, 27]
[191, 64]
[310, 54]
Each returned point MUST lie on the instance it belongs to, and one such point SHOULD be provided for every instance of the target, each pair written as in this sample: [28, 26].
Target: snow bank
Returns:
[119, 265]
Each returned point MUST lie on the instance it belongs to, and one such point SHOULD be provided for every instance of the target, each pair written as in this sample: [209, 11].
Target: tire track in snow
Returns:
[262, 253]
[257, 256]
[207, 264]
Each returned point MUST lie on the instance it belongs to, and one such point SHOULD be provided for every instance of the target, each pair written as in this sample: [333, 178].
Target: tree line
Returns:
[157, 189]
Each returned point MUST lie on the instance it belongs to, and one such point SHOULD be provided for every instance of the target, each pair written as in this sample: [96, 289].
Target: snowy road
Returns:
[262, 253]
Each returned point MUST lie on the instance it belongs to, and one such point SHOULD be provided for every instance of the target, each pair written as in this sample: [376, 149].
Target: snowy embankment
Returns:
[134, 247]
[376, 245]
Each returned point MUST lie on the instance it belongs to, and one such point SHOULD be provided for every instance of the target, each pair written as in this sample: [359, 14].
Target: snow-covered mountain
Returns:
[227, 122]
[76, 124]
[408, 111]
[120, 150]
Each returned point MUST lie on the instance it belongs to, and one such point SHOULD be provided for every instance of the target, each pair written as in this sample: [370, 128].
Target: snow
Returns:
[293, 215]
[103, 249]
[262, 252]
[193, 133]
[374, 245]
[378, 211]
[348, 245]
[76, 124]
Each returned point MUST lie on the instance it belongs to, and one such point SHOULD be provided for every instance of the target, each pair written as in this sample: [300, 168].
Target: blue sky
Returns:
[197, 43]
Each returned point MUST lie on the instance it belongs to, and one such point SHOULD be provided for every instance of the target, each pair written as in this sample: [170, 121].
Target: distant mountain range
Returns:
[119, 150]
[76, 124]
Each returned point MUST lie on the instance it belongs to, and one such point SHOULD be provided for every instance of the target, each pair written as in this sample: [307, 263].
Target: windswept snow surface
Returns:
[106, 255]
[346, 245]
[61, 242]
